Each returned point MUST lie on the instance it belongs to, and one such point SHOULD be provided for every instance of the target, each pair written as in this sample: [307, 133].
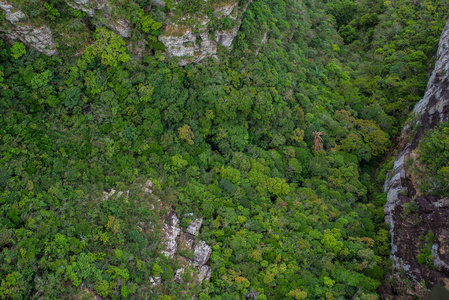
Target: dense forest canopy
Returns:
[280, 144]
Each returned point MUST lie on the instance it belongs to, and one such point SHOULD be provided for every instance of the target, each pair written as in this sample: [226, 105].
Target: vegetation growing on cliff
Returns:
[432, 169]
[232, 141]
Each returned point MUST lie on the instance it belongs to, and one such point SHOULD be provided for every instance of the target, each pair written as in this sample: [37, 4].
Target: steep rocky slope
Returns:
[193, 40]
[187, 36]
[418, 223]
[18, 27]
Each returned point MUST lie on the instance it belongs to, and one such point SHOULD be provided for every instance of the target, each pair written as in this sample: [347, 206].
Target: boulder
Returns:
[178, 275]
[194, 227]
[170, 235]
[155, 281]
[39, 38]
[12, 14]
[204, 273]
[202, 253]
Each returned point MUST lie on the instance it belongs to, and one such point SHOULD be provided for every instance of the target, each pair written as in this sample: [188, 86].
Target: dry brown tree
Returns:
[318, 141]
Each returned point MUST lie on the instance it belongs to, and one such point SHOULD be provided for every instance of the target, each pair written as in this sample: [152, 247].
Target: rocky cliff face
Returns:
[18, 27]
[177, 242]
[194, 42]
[121, 26]
[187, 37]
[418, 223]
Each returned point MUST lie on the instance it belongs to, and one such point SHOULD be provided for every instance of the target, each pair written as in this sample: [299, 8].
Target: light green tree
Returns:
[108, 46]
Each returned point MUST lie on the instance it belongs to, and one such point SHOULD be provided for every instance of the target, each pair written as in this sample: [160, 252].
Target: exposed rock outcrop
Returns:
[88, 6]
[189, 242]
[188, 37]
[121, 26]
[12, 14]
[193, 43]
[40, 38]
[189, 47]
[177, 241]
[194, 227]
[18, 28]
[227, 36]
[412, 230]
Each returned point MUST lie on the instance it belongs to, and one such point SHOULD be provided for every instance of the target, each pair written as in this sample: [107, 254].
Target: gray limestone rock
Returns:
[12, 13]
[194, 226]
[226, 10]
[432, 212]
[179, 46]
[121, 27]
[202, 253]
[107, 194]
[178, 274]
[40, 38]
[155, 281]
[148, 187]
[227, 36]
[204, 273]
[186, 241]
[172, 219]
[88, 6]
[189, 47]
[170, 235]
[182, 43]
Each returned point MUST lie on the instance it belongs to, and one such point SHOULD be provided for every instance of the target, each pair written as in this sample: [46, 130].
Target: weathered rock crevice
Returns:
[429, 214]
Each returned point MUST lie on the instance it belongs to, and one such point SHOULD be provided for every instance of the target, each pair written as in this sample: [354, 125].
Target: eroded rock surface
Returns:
[92, 7]
[187, 241]
[88, 6]
[12, 14]
[18, 28]
[177, 241]
[40, 38]
[226, 37]
[426, 225]
[194, 226]
[193, 43]
[202, 253]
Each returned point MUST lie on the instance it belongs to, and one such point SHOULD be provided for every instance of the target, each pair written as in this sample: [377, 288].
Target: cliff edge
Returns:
[418, 222]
